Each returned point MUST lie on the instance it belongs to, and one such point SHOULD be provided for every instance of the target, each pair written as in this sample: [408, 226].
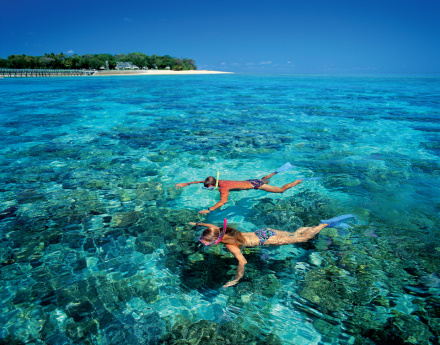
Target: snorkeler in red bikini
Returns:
[226, 186]
[234, 239]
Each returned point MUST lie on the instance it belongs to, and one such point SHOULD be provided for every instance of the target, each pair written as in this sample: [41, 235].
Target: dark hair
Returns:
[210, 181]
[211, 234]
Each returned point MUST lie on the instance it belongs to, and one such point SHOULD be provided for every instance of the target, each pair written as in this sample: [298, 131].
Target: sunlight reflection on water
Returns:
[95, 240]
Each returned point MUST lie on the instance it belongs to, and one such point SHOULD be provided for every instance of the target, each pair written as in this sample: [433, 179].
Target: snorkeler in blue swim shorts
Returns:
[226, 186]
[256, 183]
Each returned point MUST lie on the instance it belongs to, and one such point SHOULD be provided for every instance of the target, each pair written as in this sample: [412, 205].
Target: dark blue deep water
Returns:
[95, 243]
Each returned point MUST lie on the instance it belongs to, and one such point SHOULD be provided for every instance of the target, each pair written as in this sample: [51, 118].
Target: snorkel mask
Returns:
[220, 237]
[210, 188]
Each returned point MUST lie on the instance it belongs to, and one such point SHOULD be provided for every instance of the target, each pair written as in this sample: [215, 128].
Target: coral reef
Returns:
[95, 242]
[205, 333]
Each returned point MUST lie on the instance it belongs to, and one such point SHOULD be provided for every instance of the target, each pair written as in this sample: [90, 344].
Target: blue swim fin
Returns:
[284, 167]
[336, 220]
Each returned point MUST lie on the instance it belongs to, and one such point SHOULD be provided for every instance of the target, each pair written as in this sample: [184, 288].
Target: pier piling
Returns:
[14, 73]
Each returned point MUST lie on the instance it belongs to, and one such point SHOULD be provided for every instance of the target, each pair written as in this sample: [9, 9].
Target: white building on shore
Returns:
[126, 66]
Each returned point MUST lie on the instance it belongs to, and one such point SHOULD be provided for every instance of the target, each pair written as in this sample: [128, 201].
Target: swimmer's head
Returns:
[210, 181]
[213, 236]
[210, 236]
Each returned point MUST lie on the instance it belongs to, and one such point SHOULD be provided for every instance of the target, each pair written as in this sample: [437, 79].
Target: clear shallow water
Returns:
[95, 245]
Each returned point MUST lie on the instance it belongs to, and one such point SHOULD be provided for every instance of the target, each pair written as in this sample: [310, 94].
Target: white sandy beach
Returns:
[156, 72]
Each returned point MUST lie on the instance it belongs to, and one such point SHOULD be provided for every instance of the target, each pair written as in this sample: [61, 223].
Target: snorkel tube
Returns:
[219, 239]
[216, 181]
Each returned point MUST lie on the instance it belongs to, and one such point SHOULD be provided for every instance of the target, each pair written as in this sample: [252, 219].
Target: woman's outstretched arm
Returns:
[203, 224]
[241, 262]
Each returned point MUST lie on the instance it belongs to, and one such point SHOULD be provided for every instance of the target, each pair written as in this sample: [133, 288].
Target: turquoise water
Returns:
[95, 246]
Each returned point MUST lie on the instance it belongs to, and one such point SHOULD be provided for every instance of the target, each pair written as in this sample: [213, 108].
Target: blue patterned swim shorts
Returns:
[256, 183]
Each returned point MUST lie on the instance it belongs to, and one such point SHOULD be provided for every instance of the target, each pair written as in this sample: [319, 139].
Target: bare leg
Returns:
[311, 232]
[273, 189]
[301, 235]
[267, 177]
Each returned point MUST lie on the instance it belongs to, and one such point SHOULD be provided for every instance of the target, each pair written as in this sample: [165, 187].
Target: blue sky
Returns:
[307, 36]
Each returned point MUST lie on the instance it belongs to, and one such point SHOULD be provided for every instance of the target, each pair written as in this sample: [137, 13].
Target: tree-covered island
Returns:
[96, 61]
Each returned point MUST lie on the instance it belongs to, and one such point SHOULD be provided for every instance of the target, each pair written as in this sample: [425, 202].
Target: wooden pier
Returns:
[13, 73]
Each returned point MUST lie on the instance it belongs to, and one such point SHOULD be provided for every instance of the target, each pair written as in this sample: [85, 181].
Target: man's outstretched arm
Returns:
[184, 184]
[224, 194]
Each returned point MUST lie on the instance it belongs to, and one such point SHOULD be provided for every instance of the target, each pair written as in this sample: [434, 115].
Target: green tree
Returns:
[4, 63]
[58, 62]
[160, 62]
[95, 62]
[177, 65]
[118, 57]
[46, 62]
[151, 61]
[85, 61]
[110, 58]
[17, 61]
[76, 61]
[138, 59]
[188, 64]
